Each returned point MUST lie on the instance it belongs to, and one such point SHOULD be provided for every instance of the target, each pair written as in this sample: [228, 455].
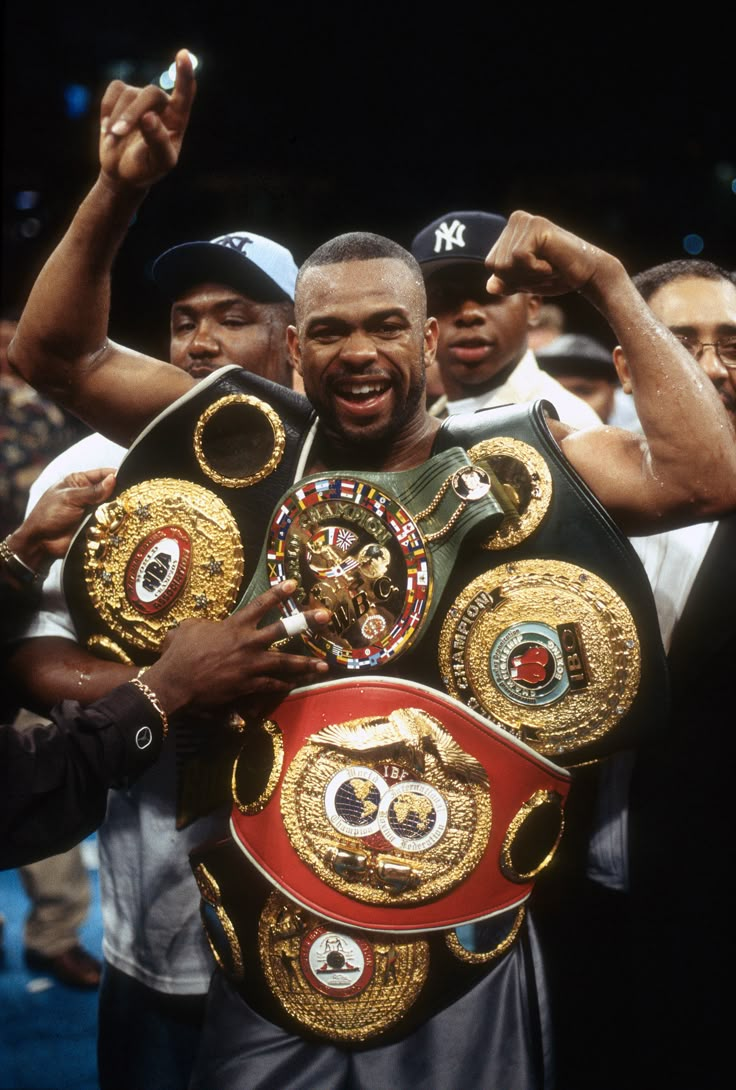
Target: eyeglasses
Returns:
[725, 350]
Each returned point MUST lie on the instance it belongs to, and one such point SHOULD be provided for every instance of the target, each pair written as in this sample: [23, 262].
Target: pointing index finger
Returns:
[185, 86]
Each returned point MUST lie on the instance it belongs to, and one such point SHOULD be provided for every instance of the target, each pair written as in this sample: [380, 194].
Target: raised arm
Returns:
[684, 467]
[61, 345]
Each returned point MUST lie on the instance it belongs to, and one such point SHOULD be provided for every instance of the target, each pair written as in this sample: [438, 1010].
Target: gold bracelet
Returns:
[151, 697]
[17, 567]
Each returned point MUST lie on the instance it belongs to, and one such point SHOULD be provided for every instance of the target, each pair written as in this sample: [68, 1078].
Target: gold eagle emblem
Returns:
[407, 734]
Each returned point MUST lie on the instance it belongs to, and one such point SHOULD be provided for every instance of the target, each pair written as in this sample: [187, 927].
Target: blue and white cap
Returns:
[254, 265]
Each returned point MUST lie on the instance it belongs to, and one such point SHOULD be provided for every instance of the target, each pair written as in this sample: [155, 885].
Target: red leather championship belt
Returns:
[379, 816]
[408, 816]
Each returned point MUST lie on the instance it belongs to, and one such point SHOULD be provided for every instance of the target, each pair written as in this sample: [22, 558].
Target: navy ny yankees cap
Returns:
[254, 265]
[456, 237]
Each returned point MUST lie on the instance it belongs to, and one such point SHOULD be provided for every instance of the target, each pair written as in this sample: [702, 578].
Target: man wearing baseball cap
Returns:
[231, 302]
[482, 351]
[585, 368]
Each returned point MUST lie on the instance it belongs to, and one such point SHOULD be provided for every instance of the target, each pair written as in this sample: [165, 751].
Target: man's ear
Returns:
[431, 335]
[295, 351]
[533, 307]
[622, 369]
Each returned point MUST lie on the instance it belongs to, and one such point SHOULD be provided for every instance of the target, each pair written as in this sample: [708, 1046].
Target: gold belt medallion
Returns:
[162, 551]
[355, 550]
[546, 649]
[387, 811]
[239, 440]
[525, 476]
[339, 984]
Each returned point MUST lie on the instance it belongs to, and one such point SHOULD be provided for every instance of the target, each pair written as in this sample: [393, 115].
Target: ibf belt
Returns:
[373, 839]
[384, 805]
[376, 550]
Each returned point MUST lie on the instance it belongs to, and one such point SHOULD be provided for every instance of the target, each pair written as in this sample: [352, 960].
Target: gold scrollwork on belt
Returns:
[480, 957]
[525, 475]
[219, 928]
[337, 983]
[161, 552]
[257, 767]
[546, 649]
[387, 811]
[239, 440]
[533, 836]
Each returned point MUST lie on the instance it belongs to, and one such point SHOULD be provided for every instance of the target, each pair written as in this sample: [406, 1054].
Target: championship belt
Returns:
[376, 550]
[549, 627]
[375, 838]
[182, 535]
[181, 538]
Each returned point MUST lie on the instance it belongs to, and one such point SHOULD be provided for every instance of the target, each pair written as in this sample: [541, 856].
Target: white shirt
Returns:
[150, 901]
[528, 382]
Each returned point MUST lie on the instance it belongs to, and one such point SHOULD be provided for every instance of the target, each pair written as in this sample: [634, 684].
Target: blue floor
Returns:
[47, 1031]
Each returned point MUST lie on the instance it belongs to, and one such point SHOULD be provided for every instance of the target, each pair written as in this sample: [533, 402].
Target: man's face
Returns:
[706, 311]
[480, 335]
[360, 343]
[598, 392]
[213, 325]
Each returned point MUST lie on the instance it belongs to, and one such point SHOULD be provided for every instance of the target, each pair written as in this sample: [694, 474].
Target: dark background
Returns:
[309, 122]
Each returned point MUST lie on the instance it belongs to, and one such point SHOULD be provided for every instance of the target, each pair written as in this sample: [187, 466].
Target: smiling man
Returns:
[363, 366]
[482, 350]
[362, 340]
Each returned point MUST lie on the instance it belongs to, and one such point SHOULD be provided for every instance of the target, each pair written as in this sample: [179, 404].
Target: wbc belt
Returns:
[380, 816]
[376, 550]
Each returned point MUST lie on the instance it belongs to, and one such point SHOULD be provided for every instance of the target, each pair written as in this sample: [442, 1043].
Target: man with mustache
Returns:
[482, 350]
[646, 839]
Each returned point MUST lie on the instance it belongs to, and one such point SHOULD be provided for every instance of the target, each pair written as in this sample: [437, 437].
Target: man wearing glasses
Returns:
[665, 821]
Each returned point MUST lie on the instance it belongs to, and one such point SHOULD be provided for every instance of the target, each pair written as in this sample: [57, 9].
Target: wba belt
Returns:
[182, 535]
[376, 836]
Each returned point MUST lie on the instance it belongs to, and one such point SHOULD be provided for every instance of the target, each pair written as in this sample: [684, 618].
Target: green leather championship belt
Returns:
[376, 550]
[550, 626]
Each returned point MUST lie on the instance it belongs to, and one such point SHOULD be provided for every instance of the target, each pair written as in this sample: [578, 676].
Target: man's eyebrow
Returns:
[221, 304]
[336, 321]
[389, 312]
[331, 321]
[693, 328]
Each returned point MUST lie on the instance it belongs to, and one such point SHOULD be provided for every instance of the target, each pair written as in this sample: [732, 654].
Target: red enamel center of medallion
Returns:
[158, 569]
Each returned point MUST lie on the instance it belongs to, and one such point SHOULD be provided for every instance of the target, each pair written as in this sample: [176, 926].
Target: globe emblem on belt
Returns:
[352, 799]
